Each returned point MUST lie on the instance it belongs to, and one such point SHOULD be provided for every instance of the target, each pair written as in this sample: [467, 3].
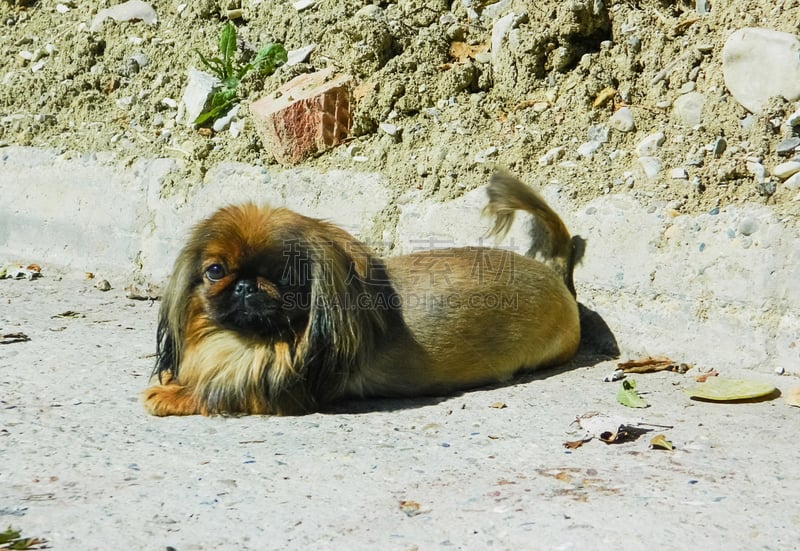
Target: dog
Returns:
[268, 311]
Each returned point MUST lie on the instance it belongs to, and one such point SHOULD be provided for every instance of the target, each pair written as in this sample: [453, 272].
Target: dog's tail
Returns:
[551, 242]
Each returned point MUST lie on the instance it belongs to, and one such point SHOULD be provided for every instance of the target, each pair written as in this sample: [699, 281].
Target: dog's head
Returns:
[271, 275]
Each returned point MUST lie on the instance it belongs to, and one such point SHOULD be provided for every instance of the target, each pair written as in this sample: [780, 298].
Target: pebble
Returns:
[719, 147]
[552, 156]
[688, 109]
[779, 370]
[300, 5]
[500, 29]
[786, 147]
[757, 169]
[225, 120]
[650, 166]
[294, 57]
[103, 285]
[678, 174]
[389, 128]
[784, 170]
[598, 133]
[704, 48]
[588, 149]
[793, 182]
[622, 120]
[758, 64]
[748, 226]
[793, 119]
[615, 376]
[649, 145]
[482, 156]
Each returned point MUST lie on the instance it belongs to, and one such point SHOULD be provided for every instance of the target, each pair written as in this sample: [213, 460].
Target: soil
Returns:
[425, 67]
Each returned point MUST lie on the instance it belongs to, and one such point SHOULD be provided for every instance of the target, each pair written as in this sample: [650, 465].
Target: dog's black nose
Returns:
[245, 287]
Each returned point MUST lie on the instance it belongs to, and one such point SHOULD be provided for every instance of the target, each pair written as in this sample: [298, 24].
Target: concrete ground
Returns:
[84, 467]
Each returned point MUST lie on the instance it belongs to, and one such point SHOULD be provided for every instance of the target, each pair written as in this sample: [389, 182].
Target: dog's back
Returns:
[476, 315]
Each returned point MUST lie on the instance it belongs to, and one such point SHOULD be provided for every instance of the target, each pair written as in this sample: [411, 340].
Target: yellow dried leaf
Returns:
[660, 442]
[604, 95]
[793, 396]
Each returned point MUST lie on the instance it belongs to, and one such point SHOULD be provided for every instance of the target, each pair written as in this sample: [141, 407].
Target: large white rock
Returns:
[759, 64]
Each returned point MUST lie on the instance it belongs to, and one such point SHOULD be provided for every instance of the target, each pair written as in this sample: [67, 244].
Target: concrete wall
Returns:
[714, 290]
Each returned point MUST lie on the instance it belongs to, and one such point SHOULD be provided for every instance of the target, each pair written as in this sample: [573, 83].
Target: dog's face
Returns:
[254, 273]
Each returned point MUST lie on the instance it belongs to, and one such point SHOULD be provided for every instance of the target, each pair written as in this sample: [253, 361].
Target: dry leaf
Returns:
[575, 444]
[614, 429]
[681, 27]
[793, 396]
[410, 508]
[364, 89]
[461, 51]
[652, 364]
[703, 377]
[604, 95]
[498, 405]
[660, 442]
[68, 314]
[11, 338]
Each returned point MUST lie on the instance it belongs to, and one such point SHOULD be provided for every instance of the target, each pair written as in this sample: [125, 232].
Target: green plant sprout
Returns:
[223, 98]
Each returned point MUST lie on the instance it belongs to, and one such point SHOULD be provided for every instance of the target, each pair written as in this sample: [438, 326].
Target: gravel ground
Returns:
[85, 467]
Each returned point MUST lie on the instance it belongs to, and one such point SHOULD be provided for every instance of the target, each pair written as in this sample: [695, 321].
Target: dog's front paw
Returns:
[170, 399]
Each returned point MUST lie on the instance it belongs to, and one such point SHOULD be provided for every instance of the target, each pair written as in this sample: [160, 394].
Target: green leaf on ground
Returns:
[719, 389]
[627, 395]
[12, 539]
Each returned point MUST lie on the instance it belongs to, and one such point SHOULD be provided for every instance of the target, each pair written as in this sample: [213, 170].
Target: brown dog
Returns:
[272, 312]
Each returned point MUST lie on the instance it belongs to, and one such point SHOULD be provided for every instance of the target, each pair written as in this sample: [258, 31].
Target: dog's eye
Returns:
[215, 272]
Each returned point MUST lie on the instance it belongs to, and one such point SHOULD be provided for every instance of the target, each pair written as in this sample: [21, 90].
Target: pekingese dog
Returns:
[271, 312]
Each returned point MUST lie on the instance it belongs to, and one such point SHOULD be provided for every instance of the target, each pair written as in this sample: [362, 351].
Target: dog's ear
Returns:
[348, 286]
[174, 313]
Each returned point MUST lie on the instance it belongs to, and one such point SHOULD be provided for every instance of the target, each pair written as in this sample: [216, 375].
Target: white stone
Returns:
[649, 145]
[793, 182]
[198, 89]
[588, 149]
[793, 119]
[552, 156]
[126, 11]
[758, 64]
[389, 128]
[622, 120]
[757, 170]
[499, 31]
[688, 109]
[293, 57]
[225, 120]
[678, 174]
[784, 170]
[650, 166]
[300, 5]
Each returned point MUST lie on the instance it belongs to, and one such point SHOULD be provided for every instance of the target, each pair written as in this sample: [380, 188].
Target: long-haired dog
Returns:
[271, 312]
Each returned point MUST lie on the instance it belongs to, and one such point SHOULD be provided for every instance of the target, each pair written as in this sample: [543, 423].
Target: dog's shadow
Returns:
[597, 344]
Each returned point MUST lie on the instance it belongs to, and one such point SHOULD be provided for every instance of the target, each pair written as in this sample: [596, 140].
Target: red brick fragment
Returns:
[307, 115]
